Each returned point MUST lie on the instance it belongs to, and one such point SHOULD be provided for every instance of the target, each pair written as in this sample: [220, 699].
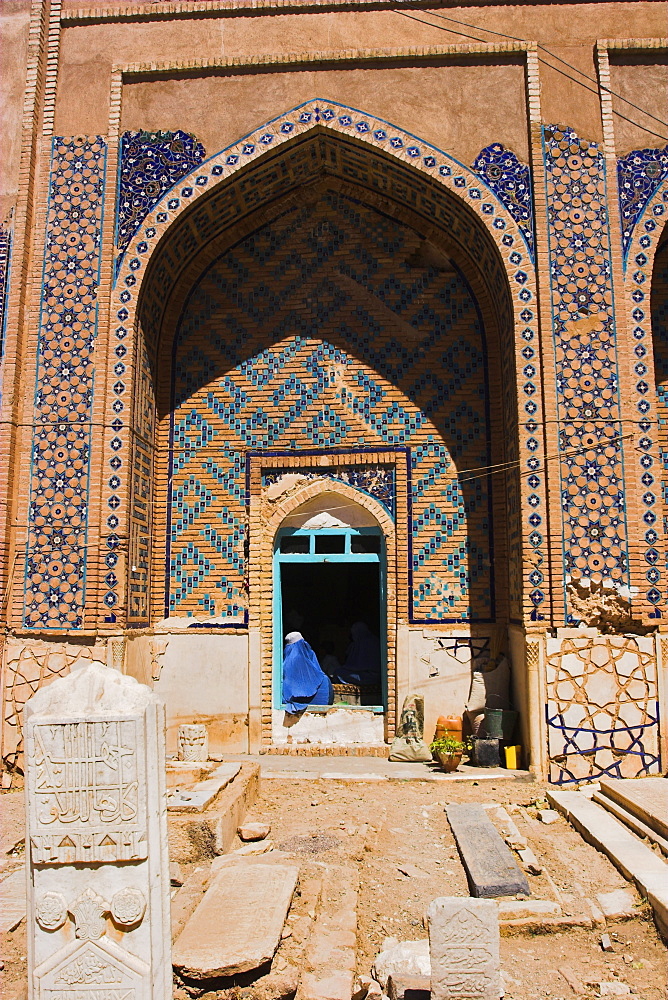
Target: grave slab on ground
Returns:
[490, 867]
[237, 926]
[12, 900]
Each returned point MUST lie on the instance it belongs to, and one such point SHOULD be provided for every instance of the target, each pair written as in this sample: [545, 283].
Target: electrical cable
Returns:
[556, 69]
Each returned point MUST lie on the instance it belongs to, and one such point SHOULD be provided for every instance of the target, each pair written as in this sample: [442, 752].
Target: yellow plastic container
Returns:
[513, 757]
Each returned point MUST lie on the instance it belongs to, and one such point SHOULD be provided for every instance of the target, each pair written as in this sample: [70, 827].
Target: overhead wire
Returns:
[543, 48]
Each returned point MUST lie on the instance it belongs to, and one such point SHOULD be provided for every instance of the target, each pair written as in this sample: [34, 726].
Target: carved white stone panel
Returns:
[98, 897]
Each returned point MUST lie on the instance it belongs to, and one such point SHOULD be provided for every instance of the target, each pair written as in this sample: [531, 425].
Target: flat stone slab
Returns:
[464, 948]
[490, 866]
[197, 797]
[646, 798]
[617, 905]
[635, 860]
[237, 926]
[12, 900]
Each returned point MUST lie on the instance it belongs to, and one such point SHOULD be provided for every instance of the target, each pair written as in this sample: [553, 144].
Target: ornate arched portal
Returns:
[431, 225]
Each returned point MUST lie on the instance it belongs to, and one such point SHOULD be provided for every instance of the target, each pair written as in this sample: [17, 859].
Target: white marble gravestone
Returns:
[98, 870]
[464, 948]
[193, 742]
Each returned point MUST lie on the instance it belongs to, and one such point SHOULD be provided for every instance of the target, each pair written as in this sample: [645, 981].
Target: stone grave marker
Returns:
[193, 742]
[490, 867]
[96, 836]
[464, 948]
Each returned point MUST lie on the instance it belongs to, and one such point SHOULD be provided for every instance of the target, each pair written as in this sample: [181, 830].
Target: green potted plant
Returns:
[448, 751]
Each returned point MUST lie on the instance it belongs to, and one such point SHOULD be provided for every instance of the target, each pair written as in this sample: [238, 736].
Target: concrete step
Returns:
[632, 822]
[198, 796]
[237, 925]
[645, 798]
[635, 860]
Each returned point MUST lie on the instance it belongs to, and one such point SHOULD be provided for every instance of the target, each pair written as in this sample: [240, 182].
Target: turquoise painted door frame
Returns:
[306, 539]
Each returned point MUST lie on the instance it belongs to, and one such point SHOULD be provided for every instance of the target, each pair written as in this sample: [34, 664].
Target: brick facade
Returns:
[457, 319]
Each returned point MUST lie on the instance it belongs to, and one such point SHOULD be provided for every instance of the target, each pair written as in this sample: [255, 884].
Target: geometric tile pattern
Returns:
[384, 159]
[602, 708]
[584, 339]
[56, 552]
[150, 163]
[376, 481]
[5, 257]
[335, 338]
[660, 339]
[510, 180]
[647, 310]
[639, 174]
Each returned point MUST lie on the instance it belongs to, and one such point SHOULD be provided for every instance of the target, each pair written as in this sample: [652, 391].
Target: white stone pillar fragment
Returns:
[464, 948]
[96, 840]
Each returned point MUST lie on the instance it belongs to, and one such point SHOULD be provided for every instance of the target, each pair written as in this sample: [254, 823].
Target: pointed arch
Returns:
[237, 187]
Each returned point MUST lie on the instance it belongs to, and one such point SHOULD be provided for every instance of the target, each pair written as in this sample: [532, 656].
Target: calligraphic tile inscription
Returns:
[98, 886]
[464, 948]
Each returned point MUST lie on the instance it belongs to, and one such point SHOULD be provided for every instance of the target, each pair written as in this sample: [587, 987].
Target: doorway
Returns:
[327, 581]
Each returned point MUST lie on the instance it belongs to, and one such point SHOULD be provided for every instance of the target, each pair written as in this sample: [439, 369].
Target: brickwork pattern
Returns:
[379, 157]
[57, 540]
[585, 352]
[319, 332]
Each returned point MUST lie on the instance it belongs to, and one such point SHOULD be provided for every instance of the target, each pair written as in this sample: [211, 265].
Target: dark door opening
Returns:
[324, 601]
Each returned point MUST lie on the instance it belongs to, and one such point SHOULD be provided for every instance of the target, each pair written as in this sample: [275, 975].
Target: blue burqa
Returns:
[304, 683]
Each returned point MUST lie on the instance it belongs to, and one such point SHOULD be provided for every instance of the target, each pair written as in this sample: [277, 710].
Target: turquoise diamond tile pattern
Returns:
[338, 341]
[57, 538]
[590, 429]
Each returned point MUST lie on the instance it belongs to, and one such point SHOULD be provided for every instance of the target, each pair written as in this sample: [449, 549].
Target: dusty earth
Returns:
[395, 836]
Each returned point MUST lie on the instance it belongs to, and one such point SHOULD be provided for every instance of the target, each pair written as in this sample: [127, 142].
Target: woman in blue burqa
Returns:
[304, 683]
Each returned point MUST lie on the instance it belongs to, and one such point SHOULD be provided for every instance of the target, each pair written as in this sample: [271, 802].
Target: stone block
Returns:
[617, 905]
[254, 831]
[491, 868]
[404, 987]
[237, 925]
[12, 900]
[193, 743]
[401, 958]
[96, 839]
[464, 949]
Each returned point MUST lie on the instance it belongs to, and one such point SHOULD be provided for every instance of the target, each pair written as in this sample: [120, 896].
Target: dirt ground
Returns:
[396, 836]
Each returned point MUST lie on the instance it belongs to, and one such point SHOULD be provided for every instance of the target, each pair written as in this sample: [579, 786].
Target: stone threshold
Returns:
[327, 750]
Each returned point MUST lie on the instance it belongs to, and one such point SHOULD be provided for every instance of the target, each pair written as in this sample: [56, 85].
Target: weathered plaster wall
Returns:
[642, 80]
[14, 24]
[201, 678]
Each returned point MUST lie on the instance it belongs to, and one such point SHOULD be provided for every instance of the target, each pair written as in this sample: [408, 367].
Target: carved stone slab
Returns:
[464, 949]
[237, 926]
[98, 897]
[490, 866]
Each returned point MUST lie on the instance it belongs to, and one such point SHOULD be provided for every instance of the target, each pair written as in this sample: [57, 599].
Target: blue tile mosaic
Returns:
[150, 164]
[510, 180]
[57, 540]
[639, 175]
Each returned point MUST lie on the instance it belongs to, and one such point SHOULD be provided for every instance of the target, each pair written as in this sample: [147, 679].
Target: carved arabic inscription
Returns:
[86, 793]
